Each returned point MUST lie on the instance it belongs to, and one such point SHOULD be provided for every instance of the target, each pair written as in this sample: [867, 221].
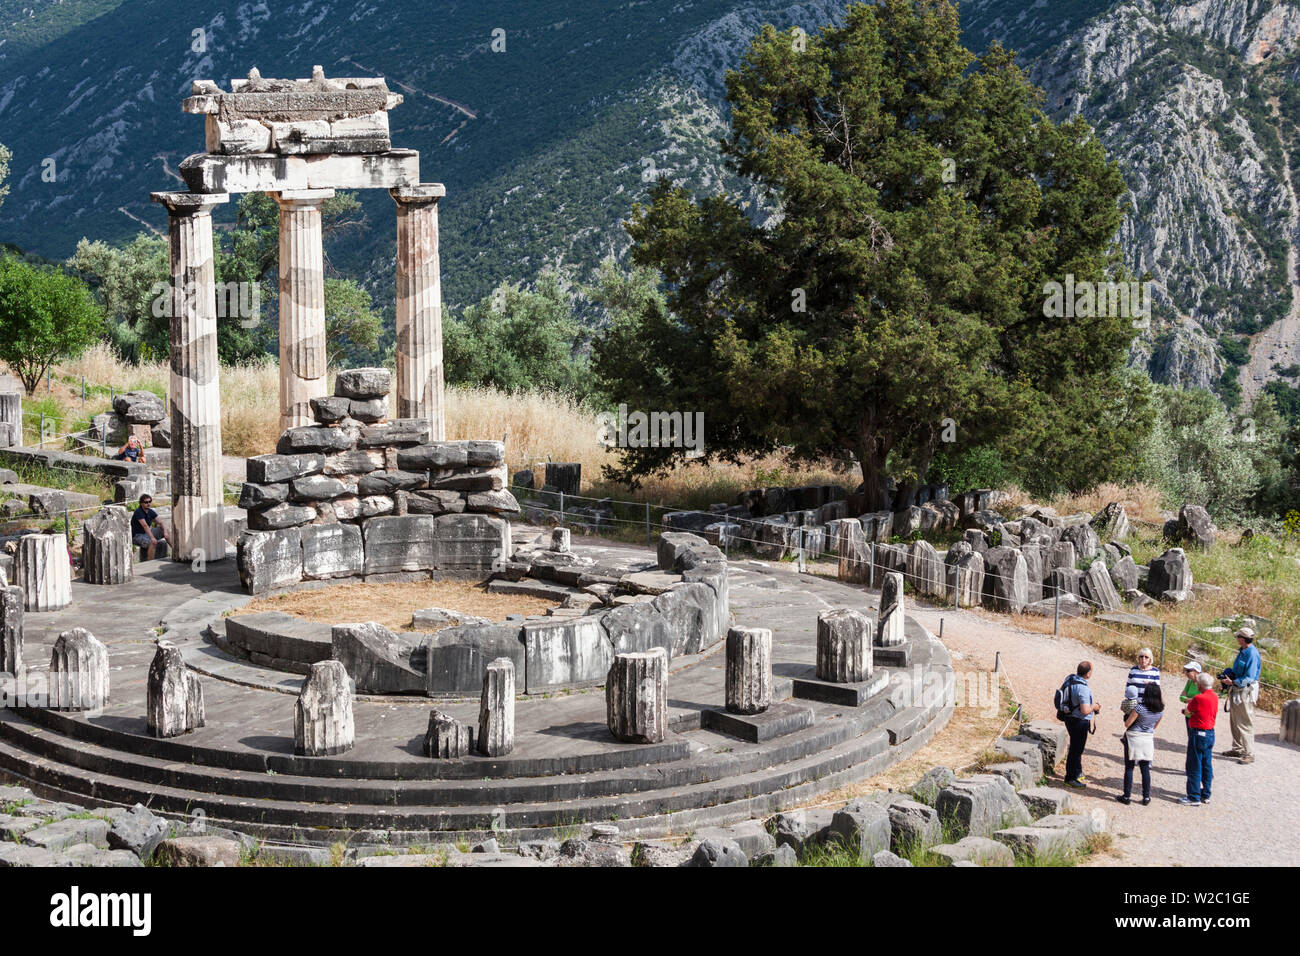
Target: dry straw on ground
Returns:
[393, 604]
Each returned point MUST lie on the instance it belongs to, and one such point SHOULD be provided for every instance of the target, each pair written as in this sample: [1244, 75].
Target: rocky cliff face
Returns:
[1192, 99]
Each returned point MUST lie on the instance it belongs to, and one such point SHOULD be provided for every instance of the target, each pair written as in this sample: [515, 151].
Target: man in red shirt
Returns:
[1201, 711]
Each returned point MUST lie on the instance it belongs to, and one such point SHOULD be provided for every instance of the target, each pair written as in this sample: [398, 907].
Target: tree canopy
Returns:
[518, 339]
[128, 279]
[889, 297]
[46, 316]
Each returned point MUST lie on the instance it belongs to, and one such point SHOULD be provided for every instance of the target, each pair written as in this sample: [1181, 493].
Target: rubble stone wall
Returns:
[358, 495]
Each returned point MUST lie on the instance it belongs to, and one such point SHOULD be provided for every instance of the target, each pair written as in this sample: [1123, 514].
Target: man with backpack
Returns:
[1076, 707]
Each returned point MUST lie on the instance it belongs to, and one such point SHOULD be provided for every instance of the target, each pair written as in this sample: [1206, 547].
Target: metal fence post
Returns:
[647, 524]
[67, 526]
[83, 391]
[1056, 614]
[1164, 631]
[41, 442]
[801, 547]
[561, 508]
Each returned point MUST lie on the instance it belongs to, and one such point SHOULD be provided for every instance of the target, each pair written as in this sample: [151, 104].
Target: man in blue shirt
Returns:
[1242, 681]
[1079, 723]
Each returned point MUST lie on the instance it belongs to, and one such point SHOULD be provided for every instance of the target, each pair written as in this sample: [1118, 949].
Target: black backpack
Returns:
[1065, 698]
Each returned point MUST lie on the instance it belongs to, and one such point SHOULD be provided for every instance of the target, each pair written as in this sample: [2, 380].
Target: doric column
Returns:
[302, 305]
[419, 306]
[198, 522]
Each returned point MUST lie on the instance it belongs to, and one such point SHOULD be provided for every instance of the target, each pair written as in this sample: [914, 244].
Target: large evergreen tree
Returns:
[894, 297]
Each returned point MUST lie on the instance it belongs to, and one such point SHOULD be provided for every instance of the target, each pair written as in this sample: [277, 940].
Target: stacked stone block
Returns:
[357, 494]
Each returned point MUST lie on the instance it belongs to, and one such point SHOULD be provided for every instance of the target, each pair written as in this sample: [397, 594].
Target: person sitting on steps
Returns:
[147, 531]
[133, 450]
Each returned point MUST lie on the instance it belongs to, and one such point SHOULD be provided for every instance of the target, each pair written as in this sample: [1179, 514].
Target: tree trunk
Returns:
[873, 453]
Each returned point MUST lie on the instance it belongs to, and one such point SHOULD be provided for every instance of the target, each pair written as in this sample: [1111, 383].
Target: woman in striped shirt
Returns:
[1143, 673]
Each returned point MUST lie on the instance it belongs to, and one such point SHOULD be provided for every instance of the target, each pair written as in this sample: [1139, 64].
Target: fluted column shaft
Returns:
[302, 305]
[198, 521]
[419, 307]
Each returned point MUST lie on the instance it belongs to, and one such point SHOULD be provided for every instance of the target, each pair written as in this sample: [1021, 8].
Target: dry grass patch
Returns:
[967, 738]
[393, 604]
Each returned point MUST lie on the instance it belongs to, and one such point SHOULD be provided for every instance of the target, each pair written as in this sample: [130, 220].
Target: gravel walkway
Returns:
[1255, 807]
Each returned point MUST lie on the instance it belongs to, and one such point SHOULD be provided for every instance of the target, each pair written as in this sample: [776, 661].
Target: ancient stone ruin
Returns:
[297, 140]
[357, 495]
[43, 572]
[106, 547]
[175, 694]
[78, 672]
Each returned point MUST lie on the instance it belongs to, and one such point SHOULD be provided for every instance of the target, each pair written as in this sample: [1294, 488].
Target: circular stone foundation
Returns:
[566, 771]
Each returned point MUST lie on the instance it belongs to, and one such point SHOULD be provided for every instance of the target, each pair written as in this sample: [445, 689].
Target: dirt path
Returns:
[1252, 820]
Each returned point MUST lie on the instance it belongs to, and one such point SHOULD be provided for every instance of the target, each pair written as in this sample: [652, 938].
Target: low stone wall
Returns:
[678, 603]
[357, 495]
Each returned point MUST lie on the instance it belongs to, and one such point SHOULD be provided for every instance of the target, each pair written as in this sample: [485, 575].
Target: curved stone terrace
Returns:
[565, 771]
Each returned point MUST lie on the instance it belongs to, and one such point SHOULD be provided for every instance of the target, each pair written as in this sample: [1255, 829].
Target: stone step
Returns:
[472, 787]
[729, 798]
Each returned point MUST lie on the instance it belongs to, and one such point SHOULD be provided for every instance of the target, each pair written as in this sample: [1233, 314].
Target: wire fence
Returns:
[566, 510]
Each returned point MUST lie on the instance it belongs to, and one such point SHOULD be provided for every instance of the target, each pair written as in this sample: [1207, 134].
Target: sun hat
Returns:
[1194, 666]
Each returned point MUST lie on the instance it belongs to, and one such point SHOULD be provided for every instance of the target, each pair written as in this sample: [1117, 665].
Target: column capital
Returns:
[302, 197]
[422, 194]
[189, 204]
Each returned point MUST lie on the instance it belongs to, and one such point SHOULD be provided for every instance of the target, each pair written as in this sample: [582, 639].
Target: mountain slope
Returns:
[545, 147]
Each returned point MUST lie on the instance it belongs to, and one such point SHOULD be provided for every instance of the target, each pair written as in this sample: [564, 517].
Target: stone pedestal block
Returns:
[636, 697]
[106, 547]
[749, 670]
[44, 572]
[844, 639]
[11, 631]
[175, 694]
[854, 552]
[1290, 732]
[965, 570]
[889, 625]
[447, 737]
[11, 419]
[925, 569]
[1006, 580]
[496, 709]
[78, 672]
[564, 476]
[322, 720]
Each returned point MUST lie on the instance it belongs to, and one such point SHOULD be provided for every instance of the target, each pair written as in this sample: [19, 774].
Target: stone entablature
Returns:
[295, 117]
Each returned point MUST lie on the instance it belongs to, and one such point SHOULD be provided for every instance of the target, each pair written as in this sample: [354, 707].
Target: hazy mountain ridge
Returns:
[546, 147]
